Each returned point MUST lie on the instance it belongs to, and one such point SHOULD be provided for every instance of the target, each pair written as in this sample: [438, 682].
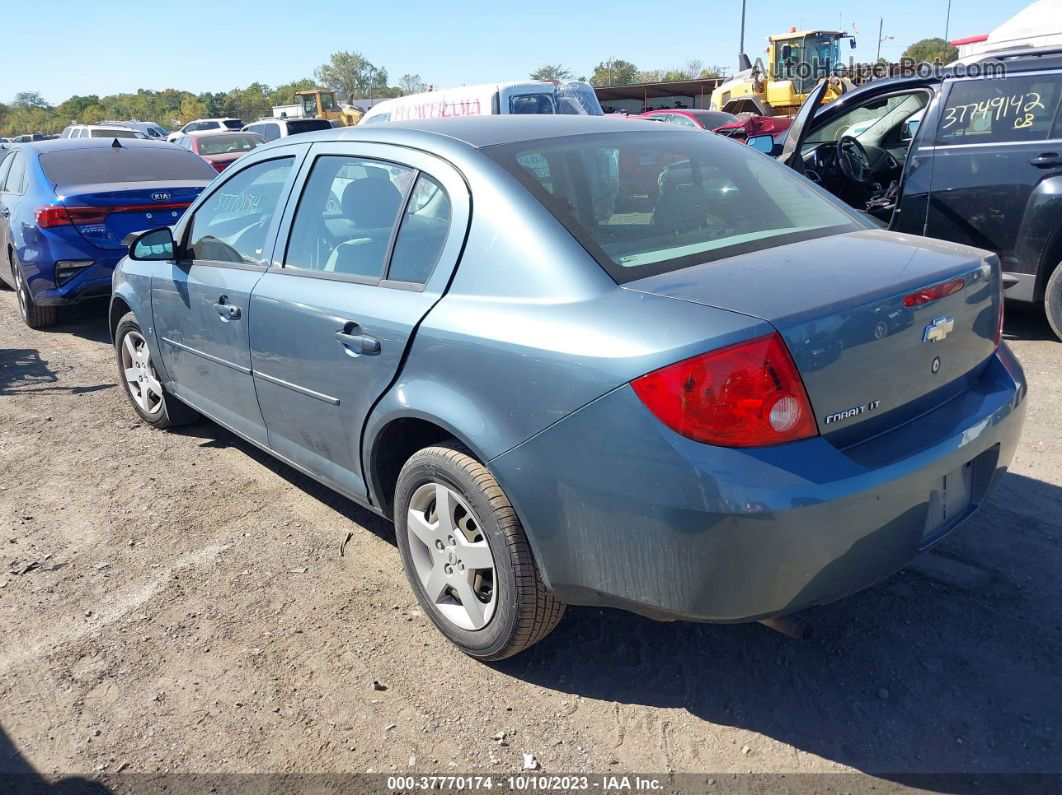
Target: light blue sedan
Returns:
[581, 361]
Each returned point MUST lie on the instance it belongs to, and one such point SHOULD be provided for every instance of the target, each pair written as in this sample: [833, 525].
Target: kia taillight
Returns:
[58, 215]
[745, 395]
[48, 217]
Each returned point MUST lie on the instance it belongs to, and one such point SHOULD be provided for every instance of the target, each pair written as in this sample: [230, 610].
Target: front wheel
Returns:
[1053, 301]
[467, 557]
[142, 386]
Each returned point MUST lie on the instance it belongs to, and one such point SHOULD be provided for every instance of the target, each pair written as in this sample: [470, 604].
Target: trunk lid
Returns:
[868, 361]
[104, 213]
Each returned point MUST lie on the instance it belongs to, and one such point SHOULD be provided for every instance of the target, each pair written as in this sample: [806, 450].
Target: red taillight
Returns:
[57, 215]
[934, 293]
[52, 216]
[746, 395]
[85, 216]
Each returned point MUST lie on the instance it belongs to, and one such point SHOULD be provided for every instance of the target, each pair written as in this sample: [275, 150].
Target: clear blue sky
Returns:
[65, 47]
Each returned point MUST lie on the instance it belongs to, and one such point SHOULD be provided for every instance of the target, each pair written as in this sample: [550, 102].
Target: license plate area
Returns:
[950, 500]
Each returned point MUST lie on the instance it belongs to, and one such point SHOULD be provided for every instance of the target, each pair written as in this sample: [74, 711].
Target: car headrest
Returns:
[371, 203]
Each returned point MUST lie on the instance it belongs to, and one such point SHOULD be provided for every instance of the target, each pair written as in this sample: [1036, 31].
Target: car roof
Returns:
[62, 144]
[218, 133]
[483, 131]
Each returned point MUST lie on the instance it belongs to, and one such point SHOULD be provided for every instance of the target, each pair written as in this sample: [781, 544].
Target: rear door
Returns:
[200, 305]
[997, 156]
[374, 238]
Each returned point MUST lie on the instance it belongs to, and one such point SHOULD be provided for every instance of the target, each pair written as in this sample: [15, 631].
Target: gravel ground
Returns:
[177, 602]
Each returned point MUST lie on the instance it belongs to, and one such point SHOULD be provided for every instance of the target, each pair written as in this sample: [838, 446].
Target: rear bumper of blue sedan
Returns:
[623, 512]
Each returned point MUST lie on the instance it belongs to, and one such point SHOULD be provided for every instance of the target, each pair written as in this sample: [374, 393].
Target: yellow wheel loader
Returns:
[797, 61]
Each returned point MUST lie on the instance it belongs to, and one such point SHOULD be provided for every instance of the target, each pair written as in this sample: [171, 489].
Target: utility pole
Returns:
[741, 41]
[881, 38]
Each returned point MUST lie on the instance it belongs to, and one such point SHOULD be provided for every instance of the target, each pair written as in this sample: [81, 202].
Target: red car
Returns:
[221, 148]
[740, 127]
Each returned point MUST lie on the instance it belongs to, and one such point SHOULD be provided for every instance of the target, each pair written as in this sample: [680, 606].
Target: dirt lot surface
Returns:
[177, 602]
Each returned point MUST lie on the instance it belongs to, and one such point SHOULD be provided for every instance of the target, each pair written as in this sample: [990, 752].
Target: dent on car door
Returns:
[374, 238]
[998, 168]
[200, 303]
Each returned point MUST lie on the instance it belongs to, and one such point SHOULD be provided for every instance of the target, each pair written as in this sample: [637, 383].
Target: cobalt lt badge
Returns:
[938, 329]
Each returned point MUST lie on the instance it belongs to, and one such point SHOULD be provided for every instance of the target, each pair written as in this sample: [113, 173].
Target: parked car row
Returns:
[652, 368]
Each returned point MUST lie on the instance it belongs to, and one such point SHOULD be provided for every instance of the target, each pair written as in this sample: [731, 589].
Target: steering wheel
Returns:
[852, 160]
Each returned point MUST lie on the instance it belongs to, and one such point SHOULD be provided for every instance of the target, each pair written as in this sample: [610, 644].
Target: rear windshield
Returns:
[233, 124]
[113, 164]
[308, 125]
[113, 134]
[225, 144]
[648, 203]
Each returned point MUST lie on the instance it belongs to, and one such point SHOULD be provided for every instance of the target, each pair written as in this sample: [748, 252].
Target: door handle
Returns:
[226, 310]
[355, 342]
[1046, 160]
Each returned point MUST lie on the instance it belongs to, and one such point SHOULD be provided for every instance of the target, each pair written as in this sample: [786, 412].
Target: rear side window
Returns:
[1015, 108]
[232, 224]
[268, 131]
[228, 143]
[346, 216]
[13, 183]
[648, 203]
[113, 134]
[233, 124]
[425, 225]
[6, 159]
[308, 125]
[123, 164]
[531, 103]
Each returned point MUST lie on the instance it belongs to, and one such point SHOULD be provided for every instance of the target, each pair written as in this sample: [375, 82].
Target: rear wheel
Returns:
[32, 315]
[467, 557]
[1053, 301]
[142, 386]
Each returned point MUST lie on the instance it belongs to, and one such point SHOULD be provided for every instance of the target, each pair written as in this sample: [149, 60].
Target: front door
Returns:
[201, 305]
[373, 241]
[997, 145]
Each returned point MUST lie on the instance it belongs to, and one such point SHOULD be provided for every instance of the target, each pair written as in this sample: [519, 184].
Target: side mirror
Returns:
[786, 51]
[761, 143]
[910, 127]
[852, 43]
[155, 245]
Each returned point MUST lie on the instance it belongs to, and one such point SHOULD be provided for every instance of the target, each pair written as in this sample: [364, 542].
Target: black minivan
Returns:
[970, 159]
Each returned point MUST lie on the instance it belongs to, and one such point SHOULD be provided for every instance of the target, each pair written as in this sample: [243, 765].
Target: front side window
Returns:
[1018, 108]
[232, 225]
[682, 121]
[871, 122]
[425, 226]
[531, 103]
[642, 203]
[346, 216]
[309, 105]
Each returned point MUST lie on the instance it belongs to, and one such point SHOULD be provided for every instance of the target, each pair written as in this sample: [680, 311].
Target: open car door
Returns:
[800, 128]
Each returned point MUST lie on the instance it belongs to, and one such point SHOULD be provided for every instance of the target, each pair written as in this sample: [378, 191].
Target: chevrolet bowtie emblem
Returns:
[938, 329]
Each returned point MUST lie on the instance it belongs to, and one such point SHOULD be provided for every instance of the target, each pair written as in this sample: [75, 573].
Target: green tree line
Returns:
[347, 73]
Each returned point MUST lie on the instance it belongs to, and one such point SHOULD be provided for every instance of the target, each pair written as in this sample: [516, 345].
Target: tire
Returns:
[1053, 301]
[151, 401]
[515, 609]
[32, 315]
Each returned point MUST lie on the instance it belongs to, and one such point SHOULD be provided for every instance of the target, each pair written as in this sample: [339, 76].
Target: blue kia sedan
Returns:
[66, 205]
[581, 361]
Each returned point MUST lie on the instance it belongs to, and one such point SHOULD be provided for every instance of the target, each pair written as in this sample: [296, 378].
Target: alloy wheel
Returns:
[21, 295]
[143, 384]
[451, 556]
